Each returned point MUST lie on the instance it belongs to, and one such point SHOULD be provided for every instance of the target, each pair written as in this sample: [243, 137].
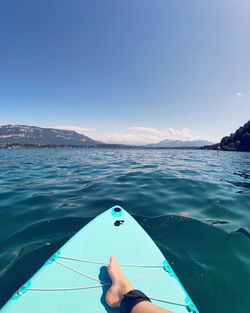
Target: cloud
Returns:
[75, 128]
[242, 93]
[138, 135]
[144, 129]
[145, 135]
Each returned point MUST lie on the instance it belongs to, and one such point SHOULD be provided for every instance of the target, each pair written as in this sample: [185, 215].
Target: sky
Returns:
[126, 71]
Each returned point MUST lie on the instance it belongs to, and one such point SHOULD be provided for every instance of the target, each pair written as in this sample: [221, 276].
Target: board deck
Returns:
[72, 280]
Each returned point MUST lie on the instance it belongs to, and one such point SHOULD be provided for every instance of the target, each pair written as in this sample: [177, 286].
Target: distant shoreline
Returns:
[118, 146]
[24, 136]
[99, 146]
[107, 146]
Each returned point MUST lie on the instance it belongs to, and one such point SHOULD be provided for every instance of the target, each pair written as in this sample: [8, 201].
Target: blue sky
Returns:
[126, 71]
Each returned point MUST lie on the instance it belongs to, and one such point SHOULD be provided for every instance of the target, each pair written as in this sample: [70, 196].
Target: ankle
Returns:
[126, 288]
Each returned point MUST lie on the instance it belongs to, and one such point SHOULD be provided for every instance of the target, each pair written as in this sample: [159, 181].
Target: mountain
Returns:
[32, 135]
[167, 143]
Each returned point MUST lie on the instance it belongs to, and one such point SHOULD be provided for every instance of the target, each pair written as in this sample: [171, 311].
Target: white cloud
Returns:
[138, 135]
[144, 129]
[243, 92]
[146, 135]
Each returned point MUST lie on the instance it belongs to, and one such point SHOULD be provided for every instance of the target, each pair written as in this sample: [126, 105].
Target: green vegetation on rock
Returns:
[239, 141]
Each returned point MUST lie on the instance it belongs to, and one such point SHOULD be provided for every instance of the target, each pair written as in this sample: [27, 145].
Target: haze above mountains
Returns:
[33, 135]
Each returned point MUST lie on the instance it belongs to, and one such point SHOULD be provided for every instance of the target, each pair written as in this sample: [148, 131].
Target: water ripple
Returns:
[194, 204]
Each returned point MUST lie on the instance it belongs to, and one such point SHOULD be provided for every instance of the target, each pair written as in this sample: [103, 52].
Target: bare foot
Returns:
[120, 284]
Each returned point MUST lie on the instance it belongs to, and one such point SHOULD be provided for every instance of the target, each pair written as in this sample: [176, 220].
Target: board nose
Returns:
[116, 211]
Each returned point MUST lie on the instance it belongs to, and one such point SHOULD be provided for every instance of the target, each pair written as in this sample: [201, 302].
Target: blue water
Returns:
[190, 202]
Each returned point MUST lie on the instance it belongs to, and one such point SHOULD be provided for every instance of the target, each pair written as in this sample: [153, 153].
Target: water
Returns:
[190, 202]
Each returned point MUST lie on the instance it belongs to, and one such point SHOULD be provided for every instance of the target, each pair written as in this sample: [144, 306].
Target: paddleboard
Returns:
[75, 278]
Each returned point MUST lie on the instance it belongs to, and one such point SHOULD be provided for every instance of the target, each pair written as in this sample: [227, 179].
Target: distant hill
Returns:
[238, 141]
[32, 135]
[178, 143]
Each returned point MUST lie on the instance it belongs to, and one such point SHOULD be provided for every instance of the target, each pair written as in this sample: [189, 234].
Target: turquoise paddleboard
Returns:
[75, 278]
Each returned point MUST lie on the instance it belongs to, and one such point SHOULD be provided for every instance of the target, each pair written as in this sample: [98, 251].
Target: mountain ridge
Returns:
[34, 135]
[168, 143]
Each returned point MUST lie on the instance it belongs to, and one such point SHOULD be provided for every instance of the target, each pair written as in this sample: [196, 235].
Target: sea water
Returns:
[194, 204]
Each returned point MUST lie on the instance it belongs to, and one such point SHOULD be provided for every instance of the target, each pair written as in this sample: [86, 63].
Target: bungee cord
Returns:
[102, 284]
[105, 263]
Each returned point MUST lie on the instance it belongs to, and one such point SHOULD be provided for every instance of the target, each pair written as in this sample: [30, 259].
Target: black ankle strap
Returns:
[132, 298]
